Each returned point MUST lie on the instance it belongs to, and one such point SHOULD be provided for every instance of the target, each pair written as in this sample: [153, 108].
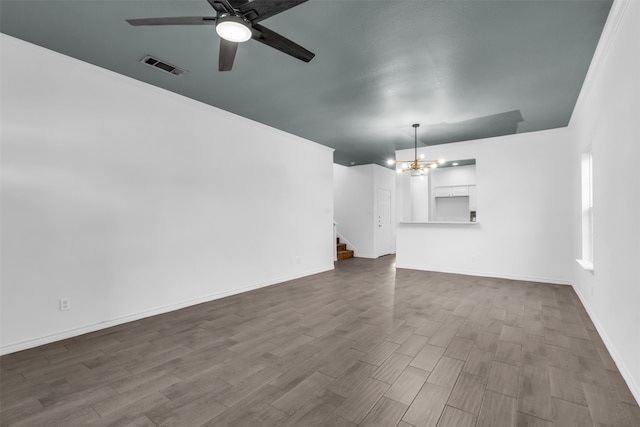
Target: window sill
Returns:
[586, 264]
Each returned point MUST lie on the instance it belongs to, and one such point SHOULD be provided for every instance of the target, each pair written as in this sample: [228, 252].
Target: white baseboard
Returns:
[47, 339]
[622, 367]
[525, 278]
[368, 256]
[371, 256]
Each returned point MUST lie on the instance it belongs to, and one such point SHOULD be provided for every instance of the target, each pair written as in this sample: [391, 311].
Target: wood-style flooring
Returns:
[361, 345]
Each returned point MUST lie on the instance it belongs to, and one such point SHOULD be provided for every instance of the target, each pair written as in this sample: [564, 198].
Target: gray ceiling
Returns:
[463, 69]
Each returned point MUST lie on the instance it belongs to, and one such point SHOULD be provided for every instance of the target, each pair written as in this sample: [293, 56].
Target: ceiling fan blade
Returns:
[181, 20]
[283, 44]
[224, 6]
[236, 3]
[227, 55]
[265, 8]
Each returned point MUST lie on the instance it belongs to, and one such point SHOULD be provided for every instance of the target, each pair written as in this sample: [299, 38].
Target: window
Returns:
[587, 212]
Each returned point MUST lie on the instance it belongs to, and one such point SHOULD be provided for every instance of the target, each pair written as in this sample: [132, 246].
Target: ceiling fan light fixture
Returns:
[233, 28]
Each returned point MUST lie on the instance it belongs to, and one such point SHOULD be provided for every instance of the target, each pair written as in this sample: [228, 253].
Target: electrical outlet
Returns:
[65, 304]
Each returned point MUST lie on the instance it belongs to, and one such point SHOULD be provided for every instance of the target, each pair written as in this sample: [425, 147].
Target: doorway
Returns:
[383, 231]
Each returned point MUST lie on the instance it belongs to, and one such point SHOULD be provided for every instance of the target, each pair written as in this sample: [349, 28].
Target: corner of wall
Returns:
[604, 121]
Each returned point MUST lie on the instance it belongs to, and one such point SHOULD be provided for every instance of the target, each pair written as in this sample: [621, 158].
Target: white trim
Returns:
[335, 241]
[609, 32]
[524, 278]
[369, 256]
[619, 361]
[586, 264]
[24, 345]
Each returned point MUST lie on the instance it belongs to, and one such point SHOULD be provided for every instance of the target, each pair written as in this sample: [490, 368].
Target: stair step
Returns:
[342, 251]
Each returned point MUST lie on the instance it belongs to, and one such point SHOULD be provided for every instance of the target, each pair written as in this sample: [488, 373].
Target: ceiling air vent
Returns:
[161, 65]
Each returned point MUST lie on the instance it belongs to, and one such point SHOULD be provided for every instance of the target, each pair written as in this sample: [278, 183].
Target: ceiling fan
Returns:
[237, 21]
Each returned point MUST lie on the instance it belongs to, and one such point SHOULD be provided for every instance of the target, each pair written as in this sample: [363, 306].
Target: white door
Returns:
[384, 222]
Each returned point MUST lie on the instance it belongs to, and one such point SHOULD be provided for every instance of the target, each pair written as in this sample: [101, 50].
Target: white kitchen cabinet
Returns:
[454, 191]
[443, 192]
[460, 191]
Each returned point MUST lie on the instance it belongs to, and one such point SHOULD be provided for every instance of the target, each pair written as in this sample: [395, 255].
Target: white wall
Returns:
[455, 175]
[607, 119]
[418, 196]
[355, 206]
[454, 209]
[524, 199]
[123, 197]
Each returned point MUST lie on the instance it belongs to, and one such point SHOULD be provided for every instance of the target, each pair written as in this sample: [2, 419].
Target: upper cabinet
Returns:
[453, 191]
[460, 191]
[442, 192]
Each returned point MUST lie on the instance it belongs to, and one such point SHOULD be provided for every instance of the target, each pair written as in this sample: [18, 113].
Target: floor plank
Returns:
[452, 417]
[503, 378]
[427, 407]
[468, 392]
[407, 386]
[604, 408]
[428, 357]
[387, 412]
[391, 369]
[446, 372]
[295, 398]
[356, 407]
[570, 414]
[497, 410]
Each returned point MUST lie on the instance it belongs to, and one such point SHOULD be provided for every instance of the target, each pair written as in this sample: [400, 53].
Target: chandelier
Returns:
[417, 166]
